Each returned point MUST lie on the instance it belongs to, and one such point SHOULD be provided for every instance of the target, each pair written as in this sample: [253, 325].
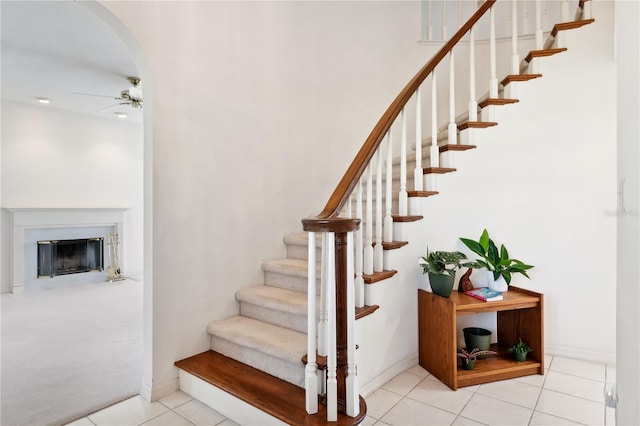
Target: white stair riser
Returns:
[289, 282]
[300, 252]
[272, 316]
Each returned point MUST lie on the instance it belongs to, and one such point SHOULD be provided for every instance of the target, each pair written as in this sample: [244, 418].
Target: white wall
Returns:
[53, 158]
[251, 101]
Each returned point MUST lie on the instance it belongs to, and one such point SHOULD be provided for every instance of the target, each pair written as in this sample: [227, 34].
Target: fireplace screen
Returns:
[61, 257]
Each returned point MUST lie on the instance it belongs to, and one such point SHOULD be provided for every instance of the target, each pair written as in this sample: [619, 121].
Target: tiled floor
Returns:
[570, 393]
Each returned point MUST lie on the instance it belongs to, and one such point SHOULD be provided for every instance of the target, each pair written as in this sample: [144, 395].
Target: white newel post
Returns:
[311, 370]
[332, 377]
[388, 219]
[351, 385]
[515, 57]
[403, 201]
[418, 181]
[377, 249]
[359, 281]
[368, 239]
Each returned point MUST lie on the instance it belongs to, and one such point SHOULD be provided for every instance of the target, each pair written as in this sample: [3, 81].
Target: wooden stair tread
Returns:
[519, 77]
[274, 396]
[376, 277]
[496, 101]
[543, 52]
[476, 125]
[421, 193]
[563, 26]
[392, 245]
[437, 170]
[365, 310]
[456, 147]
[398, 218]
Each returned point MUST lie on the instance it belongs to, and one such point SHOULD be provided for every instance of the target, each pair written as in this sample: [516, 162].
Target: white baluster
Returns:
[444, 20]
[368, 234]
[324, 309]
[587, 12]
[434, 149]
[473, 103]
[332, 377]
[539, 36]
[459, 14]
[515, 57]
[418, 181]
[377, 249]
[388, 219]
[565, 11]
[430, 27]
[359, 281]
[403, 200]
[352, 387]
[311, 370]
[453, 129]
[493, 82]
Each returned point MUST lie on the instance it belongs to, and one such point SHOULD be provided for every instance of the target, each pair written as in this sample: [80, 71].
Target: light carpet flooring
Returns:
[70, 346]
[570, 393]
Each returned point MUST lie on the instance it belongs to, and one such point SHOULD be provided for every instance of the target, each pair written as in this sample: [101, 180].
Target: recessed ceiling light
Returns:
[44, 100]
[120, 114]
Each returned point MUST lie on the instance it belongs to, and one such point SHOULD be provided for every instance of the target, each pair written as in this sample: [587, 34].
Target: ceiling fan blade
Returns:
[91, 94]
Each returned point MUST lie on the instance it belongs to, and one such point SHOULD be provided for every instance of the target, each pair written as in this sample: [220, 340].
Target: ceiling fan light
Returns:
[120, 114]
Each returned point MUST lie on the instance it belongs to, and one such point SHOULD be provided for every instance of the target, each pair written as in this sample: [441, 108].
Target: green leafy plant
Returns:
[444, 262]
[475, 353]
[520, 347]
[496, 261]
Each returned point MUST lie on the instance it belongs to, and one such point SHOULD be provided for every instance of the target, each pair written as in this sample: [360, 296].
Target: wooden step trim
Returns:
[456, 147]
[563, 26]
[476, 125]
[376, 277]
[398, 218]
[437, 170]
[496, 101]
[544, 52]
[519, 77]
[274, 396]
[421, 193]
[393, 245]
[365, 310]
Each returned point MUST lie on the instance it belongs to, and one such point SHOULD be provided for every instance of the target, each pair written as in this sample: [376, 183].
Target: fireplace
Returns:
[62, 257]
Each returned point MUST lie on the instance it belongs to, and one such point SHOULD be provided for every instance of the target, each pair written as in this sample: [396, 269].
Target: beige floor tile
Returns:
[133, 411]
[585, 369]
[463, 421]
[409, 412]
[434, 393]
[228, 422]
[542, 419]
[175, 399]
[381, 401]
[418, 371]
[576, 386]
[533, 379]
[170, 418]
[368, 421]
[199, 414]
[402, 383]
[512, 391]
[81, 422]
[495, 412]
[381, 423]
[570, 407]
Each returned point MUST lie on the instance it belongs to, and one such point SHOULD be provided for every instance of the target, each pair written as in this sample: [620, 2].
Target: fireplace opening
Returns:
[63, 257]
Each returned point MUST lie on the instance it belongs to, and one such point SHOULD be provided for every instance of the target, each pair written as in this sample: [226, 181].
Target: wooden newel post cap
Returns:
[337, 224]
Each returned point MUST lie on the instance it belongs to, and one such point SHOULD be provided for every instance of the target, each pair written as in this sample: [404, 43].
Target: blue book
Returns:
[485, 293]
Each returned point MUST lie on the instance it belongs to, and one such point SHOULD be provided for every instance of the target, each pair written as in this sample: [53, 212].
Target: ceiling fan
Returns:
[131, 96]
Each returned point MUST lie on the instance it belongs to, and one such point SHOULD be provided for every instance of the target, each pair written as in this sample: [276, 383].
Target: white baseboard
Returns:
[580, 354]
[156, 392]
[388, 374]
[225, 403]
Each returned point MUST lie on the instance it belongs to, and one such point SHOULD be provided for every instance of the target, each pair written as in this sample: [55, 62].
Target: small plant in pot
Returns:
[520, 350]
[469, 358]
[441, 267]
[497, 262]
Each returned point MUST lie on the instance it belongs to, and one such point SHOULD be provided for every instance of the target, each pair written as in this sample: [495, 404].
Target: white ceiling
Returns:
[56, 49]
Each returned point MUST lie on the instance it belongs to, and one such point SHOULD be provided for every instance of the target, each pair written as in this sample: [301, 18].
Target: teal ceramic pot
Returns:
[468, 365]
[442, 285]
[520, 356]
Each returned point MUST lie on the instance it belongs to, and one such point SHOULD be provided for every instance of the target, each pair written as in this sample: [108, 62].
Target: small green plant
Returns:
[496, 261]
[520, 347]
[471, 356]
[444, 262]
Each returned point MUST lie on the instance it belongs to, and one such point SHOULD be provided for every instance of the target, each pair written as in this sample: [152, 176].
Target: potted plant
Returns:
[498, 263]
[520, 350]
[441, 267]
[469, 358]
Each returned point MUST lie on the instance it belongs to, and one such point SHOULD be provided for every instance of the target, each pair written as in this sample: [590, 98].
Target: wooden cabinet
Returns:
[520, 314]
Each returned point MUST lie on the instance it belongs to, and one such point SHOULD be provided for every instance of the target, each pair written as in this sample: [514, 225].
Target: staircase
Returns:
[270, 334]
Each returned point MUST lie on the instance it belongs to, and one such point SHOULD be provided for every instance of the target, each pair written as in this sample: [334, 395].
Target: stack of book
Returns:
[485, 293]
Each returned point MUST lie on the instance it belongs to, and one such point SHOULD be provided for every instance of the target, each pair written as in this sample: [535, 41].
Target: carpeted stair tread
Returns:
[301, 239]
[269, 339]
[294, 267]
[275, 298]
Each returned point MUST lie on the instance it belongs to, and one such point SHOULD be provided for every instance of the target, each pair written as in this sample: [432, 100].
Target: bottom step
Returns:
[278, 398]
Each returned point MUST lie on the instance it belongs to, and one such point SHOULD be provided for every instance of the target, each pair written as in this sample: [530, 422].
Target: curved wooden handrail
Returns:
[356, 169]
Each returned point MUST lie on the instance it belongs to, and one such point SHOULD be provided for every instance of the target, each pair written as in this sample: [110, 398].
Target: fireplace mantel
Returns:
[25, 219]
